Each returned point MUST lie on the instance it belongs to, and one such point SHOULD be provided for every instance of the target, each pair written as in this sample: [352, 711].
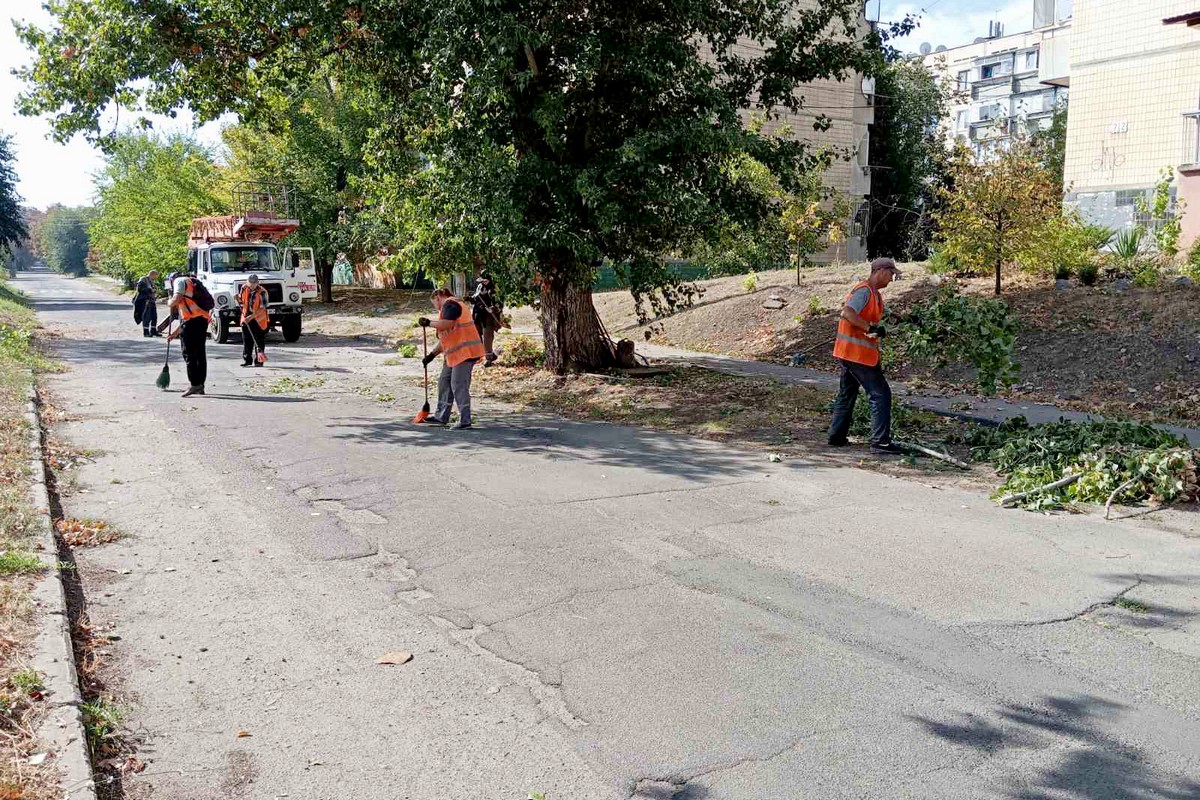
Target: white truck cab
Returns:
[224, 251]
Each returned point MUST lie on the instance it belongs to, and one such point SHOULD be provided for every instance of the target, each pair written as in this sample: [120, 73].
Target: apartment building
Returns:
[1135, 106]
[1005, 81]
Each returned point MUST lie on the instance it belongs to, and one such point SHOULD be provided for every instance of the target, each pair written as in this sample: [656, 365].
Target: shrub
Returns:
[524, 351]
[1098, 236]
[1089, 273]
[1062, 247]
[750, 282]
[941, 263]
[815, 306]
[952, 328]
[1191, 267]
[1146, 273]
[407, 350]
[1128, 244]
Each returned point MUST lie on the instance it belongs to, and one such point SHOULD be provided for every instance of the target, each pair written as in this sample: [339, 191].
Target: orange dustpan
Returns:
[423, 414]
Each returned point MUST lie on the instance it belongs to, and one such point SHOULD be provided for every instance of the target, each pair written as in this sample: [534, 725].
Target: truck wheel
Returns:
[291, 328]
[218, 326]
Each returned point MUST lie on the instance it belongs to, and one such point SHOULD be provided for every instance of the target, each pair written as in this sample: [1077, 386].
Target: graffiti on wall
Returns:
[1108, 161]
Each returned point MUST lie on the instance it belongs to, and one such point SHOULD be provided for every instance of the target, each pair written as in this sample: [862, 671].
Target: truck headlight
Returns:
[294, 297]
[222, 300]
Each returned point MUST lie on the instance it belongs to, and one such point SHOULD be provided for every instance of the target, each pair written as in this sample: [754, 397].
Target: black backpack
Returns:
[201, 296]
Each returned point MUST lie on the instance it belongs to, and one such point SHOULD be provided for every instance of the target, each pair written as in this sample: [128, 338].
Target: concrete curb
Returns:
[62, 731]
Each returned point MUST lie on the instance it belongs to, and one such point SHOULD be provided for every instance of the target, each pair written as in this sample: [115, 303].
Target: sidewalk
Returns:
[986, 410]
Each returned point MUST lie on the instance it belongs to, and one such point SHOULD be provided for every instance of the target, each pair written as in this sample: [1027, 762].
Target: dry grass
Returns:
[21, 705]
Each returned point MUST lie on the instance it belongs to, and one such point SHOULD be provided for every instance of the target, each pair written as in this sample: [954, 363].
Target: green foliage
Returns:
[407, 350]
[148, 191]
[1127, 245]
[26, 681]
[995, 207]
[101, 721]
[1098, 236]
[1165, 214]
[815, 306]
[953, 328]
[18, 562]
[551, 138]
[1191, 267]
[1104, 454]
[61, 238]
[1089, 273]
[750, 282]
[906, 139]
[941, 263]
[907, 422]
[1050, 146]
[1061, 247]
[1146, 273]
[523, 351]
[13, 230]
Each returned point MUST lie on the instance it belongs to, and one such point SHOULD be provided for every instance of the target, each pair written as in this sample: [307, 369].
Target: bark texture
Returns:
[575, 338]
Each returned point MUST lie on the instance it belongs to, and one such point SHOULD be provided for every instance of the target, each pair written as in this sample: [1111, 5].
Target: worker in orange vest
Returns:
[857, 348]
[253, 300]
[192, 330]
[459, 342]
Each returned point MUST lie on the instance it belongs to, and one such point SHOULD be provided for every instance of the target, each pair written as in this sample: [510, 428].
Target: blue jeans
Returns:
[879, 393]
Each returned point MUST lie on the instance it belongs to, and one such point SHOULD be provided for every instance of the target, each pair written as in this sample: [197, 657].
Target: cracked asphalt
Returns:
[594, 611]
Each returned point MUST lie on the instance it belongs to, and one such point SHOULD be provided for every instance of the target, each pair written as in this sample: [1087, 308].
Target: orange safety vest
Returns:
[189, 309]
[254, 307]
[853, 344]
[461, 343]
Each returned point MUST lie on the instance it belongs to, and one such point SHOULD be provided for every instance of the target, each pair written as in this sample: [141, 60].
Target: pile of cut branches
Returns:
[1056, 464]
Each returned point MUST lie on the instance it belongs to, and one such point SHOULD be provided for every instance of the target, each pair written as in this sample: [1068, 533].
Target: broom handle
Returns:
[167, 360]
[425, 352]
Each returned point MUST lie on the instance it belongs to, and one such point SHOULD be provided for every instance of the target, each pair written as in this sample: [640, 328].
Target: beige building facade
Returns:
[1135, 101]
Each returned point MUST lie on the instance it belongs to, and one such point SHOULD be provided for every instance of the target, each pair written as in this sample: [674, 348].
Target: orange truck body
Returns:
[253, 226]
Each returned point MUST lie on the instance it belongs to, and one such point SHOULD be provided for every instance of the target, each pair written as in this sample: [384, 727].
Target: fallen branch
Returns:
[1117, 491]
[1143, 512]
[949, 459]
[1058, 484]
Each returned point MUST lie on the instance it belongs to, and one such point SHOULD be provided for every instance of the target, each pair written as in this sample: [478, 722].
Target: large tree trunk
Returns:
[575, 338]
[325, 279]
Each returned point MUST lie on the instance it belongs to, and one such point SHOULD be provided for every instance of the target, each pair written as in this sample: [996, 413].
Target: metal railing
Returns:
[276, 199]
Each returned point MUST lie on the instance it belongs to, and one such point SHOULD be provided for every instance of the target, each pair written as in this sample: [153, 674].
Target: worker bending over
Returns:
[459, 343]
[253, 300]
[857, 348]
[191, 331]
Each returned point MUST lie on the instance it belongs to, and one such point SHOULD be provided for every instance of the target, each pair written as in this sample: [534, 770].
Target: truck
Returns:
[224, 250]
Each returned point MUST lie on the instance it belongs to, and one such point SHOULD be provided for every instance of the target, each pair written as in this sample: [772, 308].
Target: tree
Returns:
[1050, 145]
[13, 230]
[559, 133]
[994, 205]
[313, 141]
[61, 239]
[910, 150]
[147, 193]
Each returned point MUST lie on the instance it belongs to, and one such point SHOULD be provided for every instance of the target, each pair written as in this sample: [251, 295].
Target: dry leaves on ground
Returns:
[86, 532]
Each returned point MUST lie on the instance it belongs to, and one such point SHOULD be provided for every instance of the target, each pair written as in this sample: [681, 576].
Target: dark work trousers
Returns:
[878, 392]
[253, 337]
[488, 333]
[454, 388]
[149, 316]
[195, 333]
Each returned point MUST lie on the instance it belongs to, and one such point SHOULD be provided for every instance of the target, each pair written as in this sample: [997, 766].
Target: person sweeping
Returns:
[857, 348]
[461, 347]
[253, 300]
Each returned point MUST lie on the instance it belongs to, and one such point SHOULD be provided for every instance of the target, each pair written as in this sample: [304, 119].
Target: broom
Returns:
[423, 414]
[164, 377]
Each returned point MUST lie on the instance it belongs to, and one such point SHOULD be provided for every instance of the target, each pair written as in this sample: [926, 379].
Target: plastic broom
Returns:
[423, 414]
[164, 378]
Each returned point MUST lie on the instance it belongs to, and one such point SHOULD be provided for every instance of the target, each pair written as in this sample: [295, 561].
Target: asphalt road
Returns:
[594, 611]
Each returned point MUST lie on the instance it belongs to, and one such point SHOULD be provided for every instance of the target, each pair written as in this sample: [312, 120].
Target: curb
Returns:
[62, 731]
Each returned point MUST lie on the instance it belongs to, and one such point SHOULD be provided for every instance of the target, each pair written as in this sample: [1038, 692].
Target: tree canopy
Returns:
[146, 196]
[12, 218]
[61, 239]
[549, 135]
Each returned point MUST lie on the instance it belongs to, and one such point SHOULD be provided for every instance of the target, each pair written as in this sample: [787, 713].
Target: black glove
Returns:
[427, 359]
[877, 330]
[423, 322]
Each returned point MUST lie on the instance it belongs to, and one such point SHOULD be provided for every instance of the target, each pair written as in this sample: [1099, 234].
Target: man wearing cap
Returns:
[857, 348]
[253, 300]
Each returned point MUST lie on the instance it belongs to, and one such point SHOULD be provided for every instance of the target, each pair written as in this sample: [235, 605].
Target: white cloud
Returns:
[957, 22]
[49, 172]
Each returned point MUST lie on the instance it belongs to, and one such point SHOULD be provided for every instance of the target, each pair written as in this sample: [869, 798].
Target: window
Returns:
[989, 112]
[962, 120]
[964, 79]
[988, 71]
[243, 259]
[1128, 197]
[1031, 59]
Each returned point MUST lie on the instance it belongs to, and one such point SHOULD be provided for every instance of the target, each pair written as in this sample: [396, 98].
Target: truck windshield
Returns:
[242, 259]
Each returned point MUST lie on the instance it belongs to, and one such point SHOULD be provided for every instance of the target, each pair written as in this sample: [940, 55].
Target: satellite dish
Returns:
[926, 48]
[979, 39]
[941, 48]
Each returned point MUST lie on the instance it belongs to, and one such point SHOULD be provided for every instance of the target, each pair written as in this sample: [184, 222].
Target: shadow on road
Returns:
[1097, 767]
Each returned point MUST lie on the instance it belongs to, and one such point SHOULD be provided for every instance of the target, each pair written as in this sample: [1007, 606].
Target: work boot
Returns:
[145, 333]
[463, 426]
[432, 420]
[193, 390]
[837, 441]
[247, 363]
[156, 332]
[890, 448]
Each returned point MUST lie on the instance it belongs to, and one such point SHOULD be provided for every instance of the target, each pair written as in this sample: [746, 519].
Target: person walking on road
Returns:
[192, 330]
[462, 348]
[172, 314]
[147, 297]
[253, 300]
[857, 348]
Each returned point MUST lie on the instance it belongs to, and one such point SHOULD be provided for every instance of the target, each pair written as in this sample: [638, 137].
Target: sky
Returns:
[53, 173]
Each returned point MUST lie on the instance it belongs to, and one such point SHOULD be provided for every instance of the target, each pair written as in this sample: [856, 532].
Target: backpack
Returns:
[139, 306]
[201, 297]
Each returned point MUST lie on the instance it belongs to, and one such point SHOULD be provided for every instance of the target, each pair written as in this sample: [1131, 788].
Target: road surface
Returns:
[594, 611]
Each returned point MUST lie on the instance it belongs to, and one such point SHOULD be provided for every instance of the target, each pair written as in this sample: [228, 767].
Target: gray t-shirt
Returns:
[859, 299]
[181, 287]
